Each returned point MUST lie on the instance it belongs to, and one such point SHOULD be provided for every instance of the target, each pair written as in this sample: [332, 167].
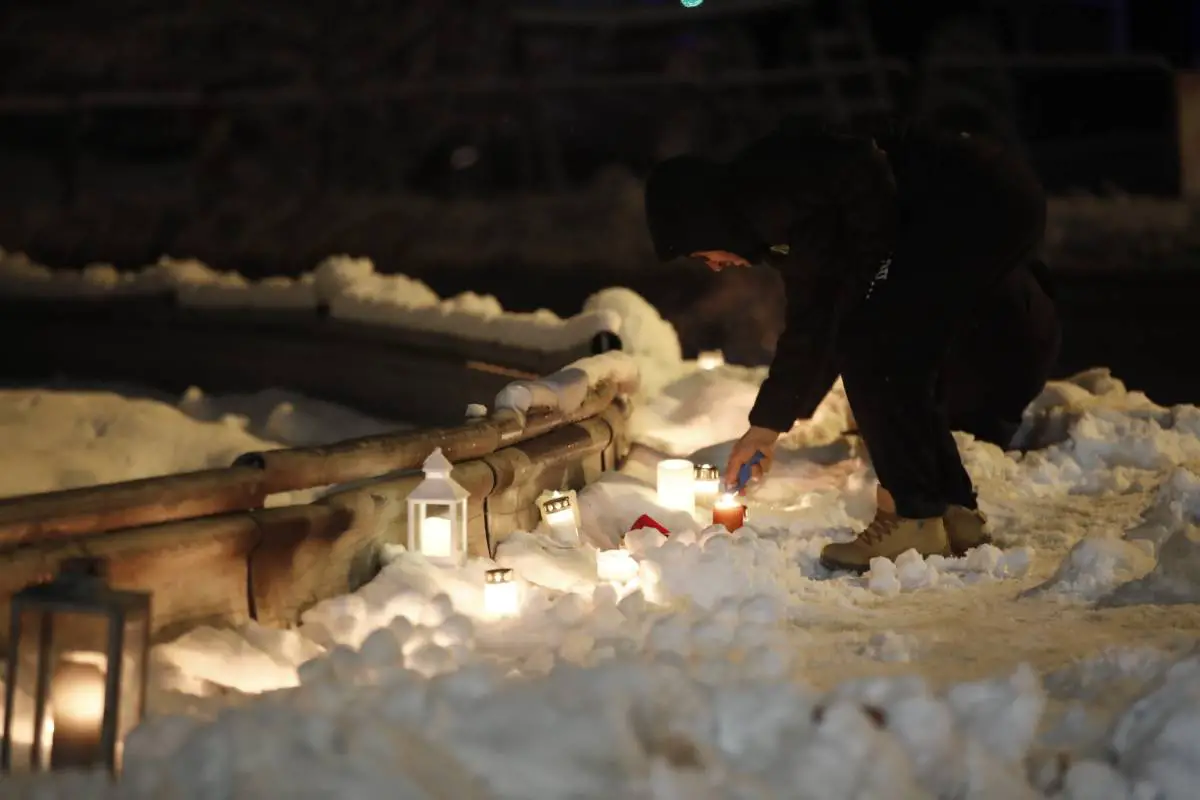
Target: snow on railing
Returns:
[566, 390]
[350, 288]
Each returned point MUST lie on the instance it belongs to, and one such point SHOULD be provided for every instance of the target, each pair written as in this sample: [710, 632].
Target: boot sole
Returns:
[836, 566]
[960, 552]
[858, 569]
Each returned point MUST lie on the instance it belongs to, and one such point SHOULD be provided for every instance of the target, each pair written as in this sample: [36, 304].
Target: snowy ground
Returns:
[735, 666]
[65, 439]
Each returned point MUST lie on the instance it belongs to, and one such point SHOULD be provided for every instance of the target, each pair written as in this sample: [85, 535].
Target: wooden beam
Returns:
[132, 504]
[567, 458]
[309, 553]
[197, 569]
[373, 456]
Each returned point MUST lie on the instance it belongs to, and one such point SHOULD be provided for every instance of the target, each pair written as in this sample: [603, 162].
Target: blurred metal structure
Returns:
[455, 97]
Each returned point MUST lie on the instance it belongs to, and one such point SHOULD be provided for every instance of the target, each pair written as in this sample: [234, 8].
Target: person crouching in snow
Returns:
[910, 264]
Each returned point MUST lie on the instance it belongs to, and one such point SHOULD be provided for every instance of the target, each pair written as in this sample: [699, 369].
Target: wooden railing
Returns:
[227, 545]
[210, 551]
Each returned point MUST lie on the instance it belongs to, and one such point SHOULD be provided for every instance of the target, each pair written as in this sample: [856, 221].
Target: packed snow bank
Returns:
[715, 664]
[349, 287]
[68, 439]
[566, 390]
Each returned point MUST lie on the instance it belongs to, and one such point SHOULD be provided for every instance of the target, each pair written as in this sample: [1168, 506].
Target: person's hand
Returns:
[756, 439]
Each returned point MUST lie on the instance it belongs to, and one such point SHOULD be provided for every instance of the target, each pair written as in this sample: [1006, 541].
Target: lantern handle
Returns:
[86, 567]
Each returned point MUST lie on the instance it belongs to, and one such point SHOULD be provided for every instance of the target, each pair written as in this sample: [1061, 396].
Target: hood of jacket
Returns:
[689, 209]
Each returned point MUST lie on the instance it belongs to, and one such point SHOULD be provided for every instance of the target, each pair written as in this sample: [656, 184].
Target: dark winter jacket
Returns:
[828, 210]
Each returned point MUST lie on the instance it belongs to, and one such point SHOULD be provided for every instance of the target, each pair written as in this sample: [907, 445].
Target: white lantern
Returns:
[677, 485]
[708, 483]
[501, 593]
[437, 514]
[710, 359]
[560, 512]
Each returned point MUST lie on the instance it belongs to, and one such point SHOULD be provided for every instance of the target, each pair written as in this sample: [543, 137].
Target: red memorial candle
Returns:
[729, 512]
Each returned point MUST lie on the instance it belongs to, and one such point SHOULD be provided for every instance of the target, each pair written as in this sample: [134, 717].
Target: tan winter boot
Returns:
[965, 529]
[887, 536]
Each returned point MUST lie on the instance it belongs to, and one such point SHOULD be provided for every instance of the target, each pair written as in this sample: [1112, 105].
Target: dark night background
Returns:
[497, 146]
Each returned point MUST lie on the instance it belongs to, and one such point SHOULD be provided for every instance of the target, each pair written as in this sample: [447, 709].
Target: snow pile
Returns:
[1097, 565]
[349, 287]
[69, 439]
[353, 290]
[712, 664]
[645, 335]
[566, 390]
[910, 572]
[1176, 504]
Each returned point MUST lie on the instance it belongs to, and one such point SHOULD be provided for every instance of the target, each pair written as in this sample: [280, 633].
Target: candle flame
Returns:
[727, 500]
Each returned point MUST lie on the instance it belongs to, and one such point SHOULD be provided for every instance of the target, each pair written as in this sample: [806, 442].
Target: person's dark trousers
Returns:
[894, 343]
[1002, 357]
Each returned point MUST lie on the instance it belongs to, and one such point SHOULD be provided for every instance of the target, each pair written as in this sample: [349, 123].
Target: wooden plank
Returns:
[307, 323]
[197, 569]
[372, 456]
[567, 458]
[306, 553]
[108, 507]
[309, 553]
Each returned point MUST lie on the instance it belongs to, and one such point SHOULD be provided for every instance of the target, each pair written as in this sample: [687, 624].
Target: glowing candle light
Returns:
[501, 594]
[617, 566]
[708, 483]
[710, 359]
[85, 647]
[77, 703]
[729, 512]
[560, 512]
[437, 537]
[677, 485]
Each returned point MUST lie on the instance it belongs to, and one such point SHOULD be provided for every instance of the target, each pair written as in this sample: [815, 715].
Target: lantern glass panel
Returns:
[78, 666]
[134, 660]
[61, 668]
[24, 751]
[437, 531]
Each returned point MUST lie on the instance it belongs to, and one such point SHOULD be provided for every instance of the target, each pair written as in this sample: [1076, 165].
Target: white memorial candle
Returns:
[677, 485]
[708, 484]
[436, 537]
[501, 594]
[558, 510]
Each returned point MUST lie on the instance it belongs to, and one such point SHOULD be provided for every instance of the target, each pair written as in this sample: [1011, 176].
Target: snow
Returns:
[567, 389]
[349, 287]
[1059, 663]
[67, 439]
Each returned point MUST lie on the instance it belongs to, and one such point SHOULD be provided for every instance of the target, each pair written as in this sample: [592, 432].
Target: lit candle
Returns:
[436, 537]
[729, 512]
[558, 510]
[710, 359]
[77, 703]
[501, 595]
[677, 485]
[708, 483]
[617, 566]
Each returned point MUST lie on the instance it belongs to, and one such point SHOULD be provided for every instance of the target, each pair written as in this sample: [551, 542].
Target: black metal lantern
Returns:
[78, 654]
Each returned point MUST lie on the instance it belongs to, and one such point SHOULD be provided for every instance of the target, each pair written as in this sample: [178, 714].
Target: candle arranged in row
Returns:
[681, 484]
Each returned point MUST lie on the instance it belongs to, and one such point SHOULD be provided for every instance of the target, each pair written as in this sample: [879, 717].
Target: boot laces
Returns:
[883, 526]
